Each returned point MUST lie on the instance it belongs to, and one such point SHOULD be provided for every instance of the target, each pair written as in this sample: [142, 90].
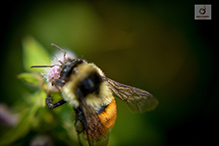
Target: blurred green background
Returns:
[153, 45]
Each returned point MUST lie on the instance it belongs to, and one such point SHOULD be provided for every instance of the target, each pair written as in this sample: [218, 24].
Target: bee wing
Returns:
[138, 100]
[97, 134]
[102, 141]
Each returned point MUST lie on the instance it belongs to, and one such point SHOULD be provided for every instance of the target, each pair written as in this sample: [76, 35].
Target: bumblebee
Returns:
[86, 88]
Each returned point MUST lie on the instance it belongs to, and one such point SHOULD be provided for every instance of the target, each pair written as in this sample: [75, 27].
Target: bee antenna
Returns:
[57, 47]
[40, 66]
[61, 62]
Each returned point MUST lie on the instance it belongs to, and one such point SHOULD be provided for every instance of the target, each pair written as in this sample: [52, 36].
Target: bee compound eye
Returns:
[66, 70]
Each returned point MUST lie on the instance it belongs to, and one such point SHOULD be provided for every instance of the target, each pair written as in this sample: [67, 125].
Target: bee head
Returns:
[69, 67]
[62, 69]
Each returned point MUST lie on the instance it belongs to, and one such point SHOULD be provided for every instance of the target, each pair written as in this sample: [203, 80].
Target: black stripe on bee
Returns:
[89, 85]
[102, 109]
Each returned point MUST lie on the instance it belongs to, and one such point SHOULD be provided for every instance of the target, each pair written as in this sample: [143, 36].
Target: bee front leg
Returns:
[50, 104]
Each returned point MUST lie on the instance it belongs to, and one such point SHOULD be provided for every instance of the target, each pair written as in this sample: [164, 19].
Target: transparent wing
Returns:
[102, 141]
[138, 100]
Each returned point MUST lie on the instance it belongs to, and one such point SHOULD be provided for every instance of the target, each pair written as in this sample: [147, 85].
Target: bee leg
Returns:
[50, 104]
[79, 141]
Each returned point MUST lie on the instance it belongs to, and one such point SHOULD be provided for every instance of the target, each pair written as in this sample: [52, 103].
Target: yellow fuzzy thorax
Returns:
[104, 97]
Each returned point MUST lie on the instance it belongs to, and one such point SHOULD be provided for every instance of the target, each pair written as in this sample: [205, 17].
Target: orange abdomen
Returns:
[108, 116]
[97, 128]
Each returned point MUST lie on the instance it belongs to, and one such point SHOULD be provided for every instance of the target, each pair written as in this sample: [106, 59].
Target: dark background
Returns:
[153, 45]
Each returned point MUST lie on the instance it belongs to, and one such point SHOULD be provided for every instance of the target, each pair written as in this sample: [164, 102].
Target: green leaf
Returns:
[34, 54]
[19, 131]
[27, 120]
[32, 79]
